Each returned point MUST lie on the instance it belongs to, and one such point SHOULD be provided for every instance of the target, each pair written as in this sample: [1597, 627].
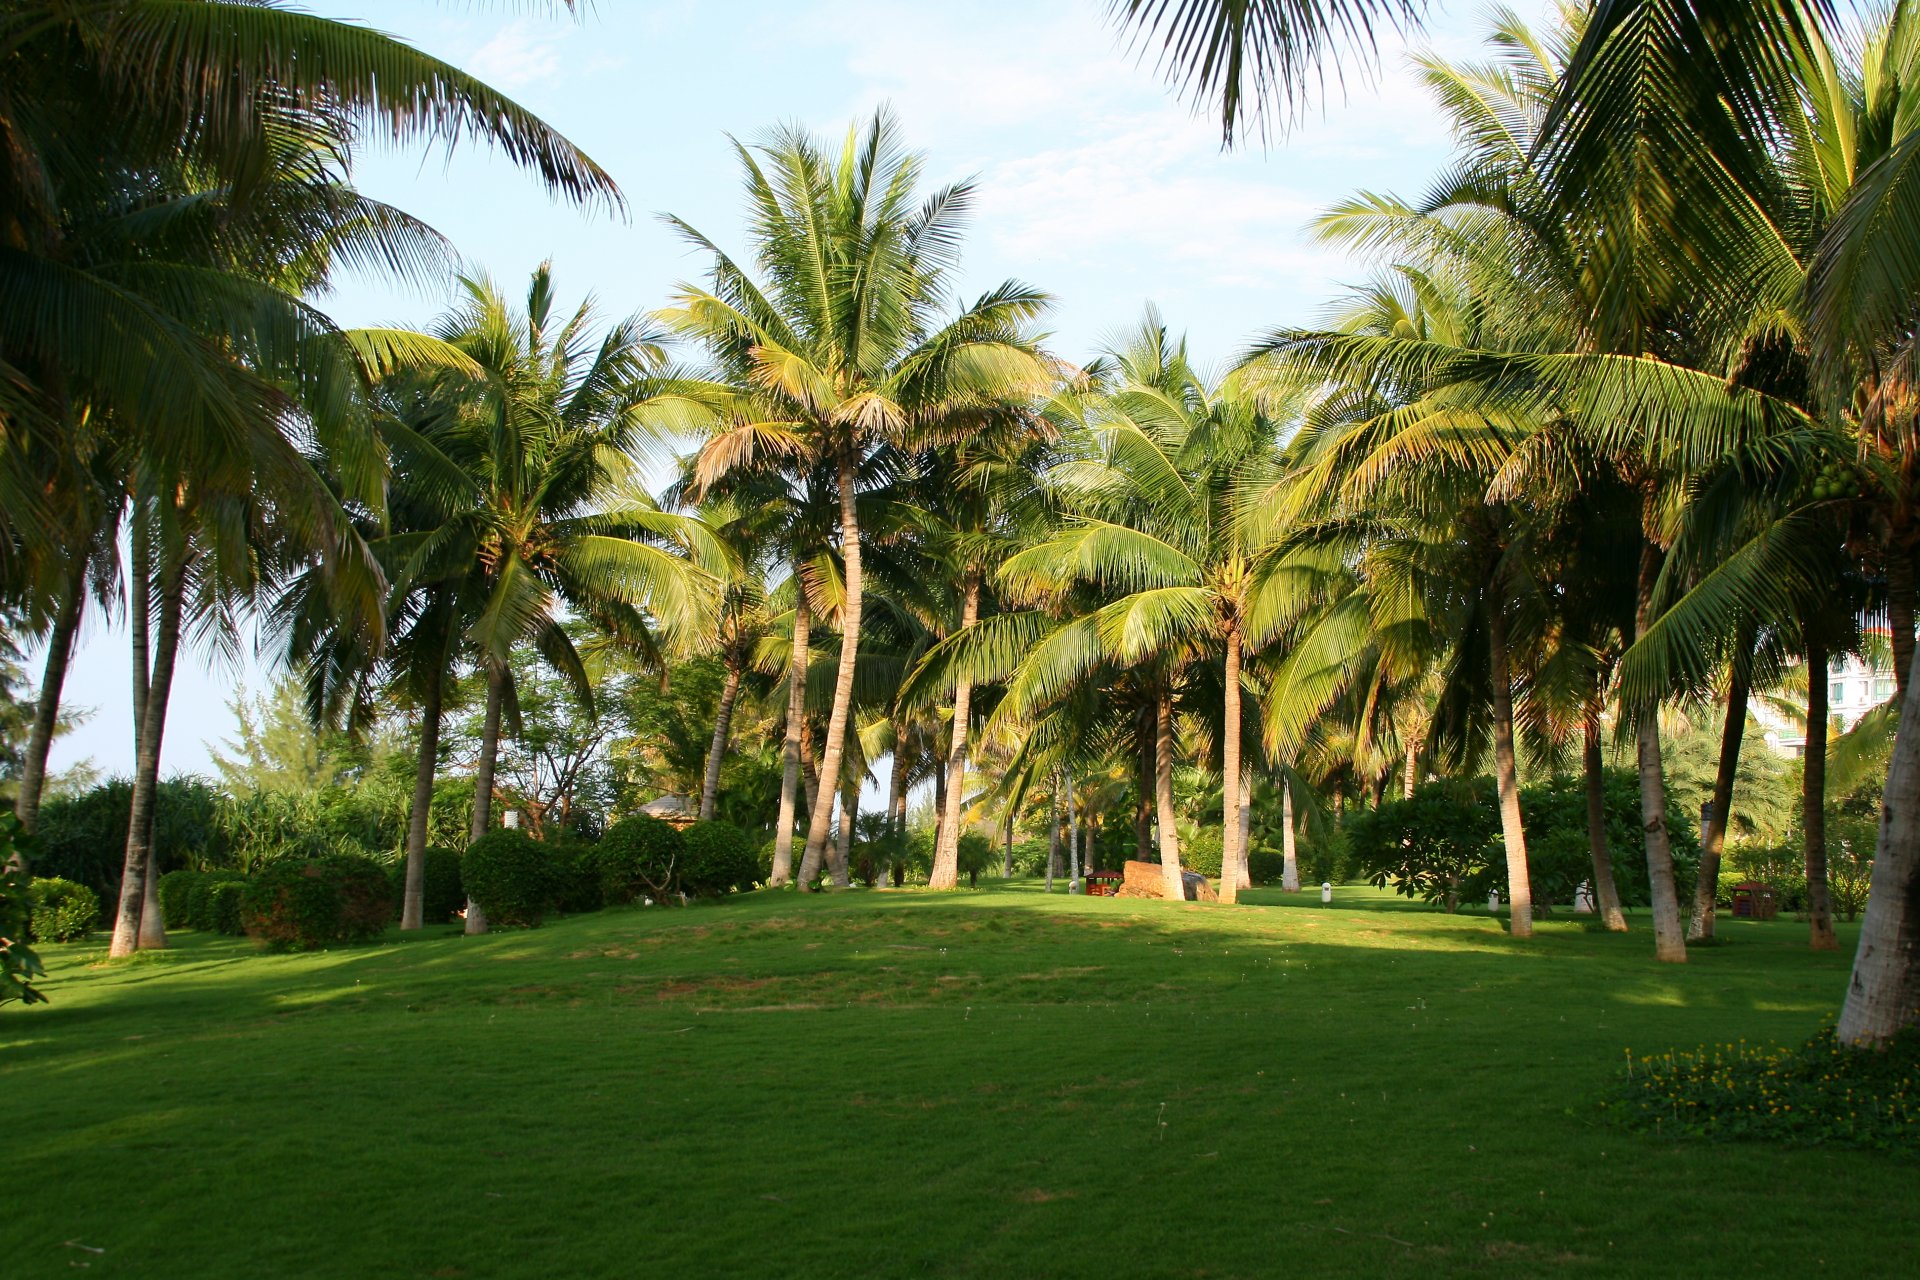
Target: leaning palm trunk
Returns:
[46, 713]
[722, 729]
[134, 926]
[1143, 808]
[946, 852]
[1813, 803]
[842, 848]
[483, 777]
[1883, 996]
[842, 711]
[1289, 854]
[897, 783]
[1231, 833]
[1706, 889]
[1246, 828]
[1669, 935]
[1163, 797]
[1606, 893]
[1506, 769]
[791, 750]
[412, 903]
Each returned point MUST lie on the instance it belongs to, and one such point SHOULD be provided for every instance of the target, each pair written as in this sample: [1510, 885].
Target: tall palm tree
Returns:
[837, 321]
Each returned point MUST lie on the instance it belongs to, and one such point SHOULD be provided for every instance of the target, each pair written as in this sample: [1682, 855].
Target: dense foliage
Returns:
[511, 876]
[640, 856]
[1438, 845]
[307, 903]
[62, 910]
[442, 893]
[19, 965]
[716, 859]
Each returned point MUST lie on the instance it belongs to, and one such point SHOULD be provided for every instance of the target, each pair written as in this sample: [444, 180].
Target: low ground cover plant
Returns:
[1806, 1094]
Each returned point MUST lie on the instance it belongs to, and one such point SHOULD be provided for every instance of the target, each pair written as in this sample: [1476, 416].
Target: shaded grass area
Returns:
[984, 1084]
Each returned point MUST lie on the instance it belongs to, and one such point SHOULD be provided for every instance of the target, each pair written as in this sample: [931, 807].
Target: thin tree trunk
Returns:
[1900, 612]
[1606, 892]
[1410, 778]
[1073, 840]
[1507, 775]
[1053, 833]
[1246, 828]
[483, 776]
[837, 862]
[722, 728]
[53, 680]
[946, 850]
[1143, 805]
[1163, 797]
[1706, 889]
[842, 712]
[1006, 860]
[1230, 834]
[412, 903]
[134, 927]
[897, 782]
[782, 873]
[939, 804]
[1813, 801]
[1669, 934]
[1289, 860]
[1883, 994]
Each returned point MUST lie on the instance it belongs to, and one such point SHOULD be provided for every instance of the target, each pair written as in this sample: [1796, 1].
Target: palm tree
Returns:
[835, 321]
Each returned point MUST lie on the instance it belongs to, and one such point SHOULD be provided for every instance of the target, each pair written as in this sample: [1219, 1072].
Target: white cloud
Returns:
[521, 53]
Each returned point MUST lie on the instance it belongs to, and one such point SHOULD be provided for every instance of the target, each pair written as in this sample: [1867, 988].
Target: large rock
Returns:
[1147, 880]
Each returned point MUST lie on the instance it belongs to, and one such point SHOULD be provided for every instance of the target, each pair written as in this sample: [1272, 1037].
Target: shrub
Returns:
[1819, 1092]
[441, 890]
[210, 907]
[19, 966]
[1266, 866]
[639, 856]
[576, 870]
[716, 858]
[223, 906]
[62, 910]
[83, 838]
[511, 877]
[176, 897]
[975, 853]
[1203, 851]
[312, 902]
[1554, 814]
[1431, 846]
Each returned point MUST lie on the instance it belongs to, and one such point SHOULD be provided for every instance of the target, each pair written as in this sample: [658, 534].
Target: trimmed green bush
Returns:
[176, 898]
[1266, 866]
[212, 908]
[639, 856]
[441, 889]
[511, 876]
[716, 858]
[306, 903]
[62, 911]
[576, 870]
[1203, 852]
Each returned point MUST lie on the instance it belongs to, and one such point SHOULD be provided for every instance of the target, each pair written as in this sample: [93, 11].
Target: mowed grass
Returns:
[998, 1083]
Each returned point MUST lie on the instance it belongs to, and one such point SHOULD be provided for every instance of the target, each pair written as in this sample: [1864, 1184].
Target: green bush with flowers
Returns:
[1803, 1095]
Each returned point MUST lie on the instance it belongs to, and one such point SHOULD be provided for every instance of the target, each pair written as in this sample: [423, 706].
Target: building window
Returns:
[1837, 667]
[1882, 689]
[1837, 692]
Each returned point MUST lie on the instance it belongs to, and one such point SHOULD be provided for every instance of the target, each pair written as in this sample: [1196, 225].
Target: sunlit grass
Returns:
[878, 1083]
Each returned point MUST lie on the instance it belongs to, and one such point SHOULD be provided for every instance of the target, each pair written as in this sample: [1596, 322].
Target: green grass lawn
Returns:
[874, 1084]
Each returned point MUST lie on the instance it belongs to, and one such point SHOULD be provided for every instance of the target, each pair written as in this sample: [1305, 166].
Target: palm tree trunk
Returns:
[837, 868]
[1900, 612]
[842, 712]
[1883, 995]
[1073, 839]
[1706, 889]
[1813, 801]
[1507, 775]
[1606, 893]
[790, 751]
[135, 927]
[897, 784]
[1006, 857]
[483, 776]
[722, 727]
[1246, 828]
[1163, 796]
[1053, 833]
[46, 713]
[1410, 777]
[946, 850]
[412, 902]
[1289, 860]
[1143, 806]
[1669, 934]
[1230, 832]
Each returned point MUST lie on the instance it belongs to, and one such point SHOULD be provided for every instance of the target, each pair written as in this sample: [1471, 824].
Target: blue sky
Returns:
[1095, 184]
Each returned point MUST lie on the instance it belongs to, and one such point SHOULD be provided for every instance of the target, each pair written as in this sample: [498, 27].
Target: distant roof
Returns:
[667, 805]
